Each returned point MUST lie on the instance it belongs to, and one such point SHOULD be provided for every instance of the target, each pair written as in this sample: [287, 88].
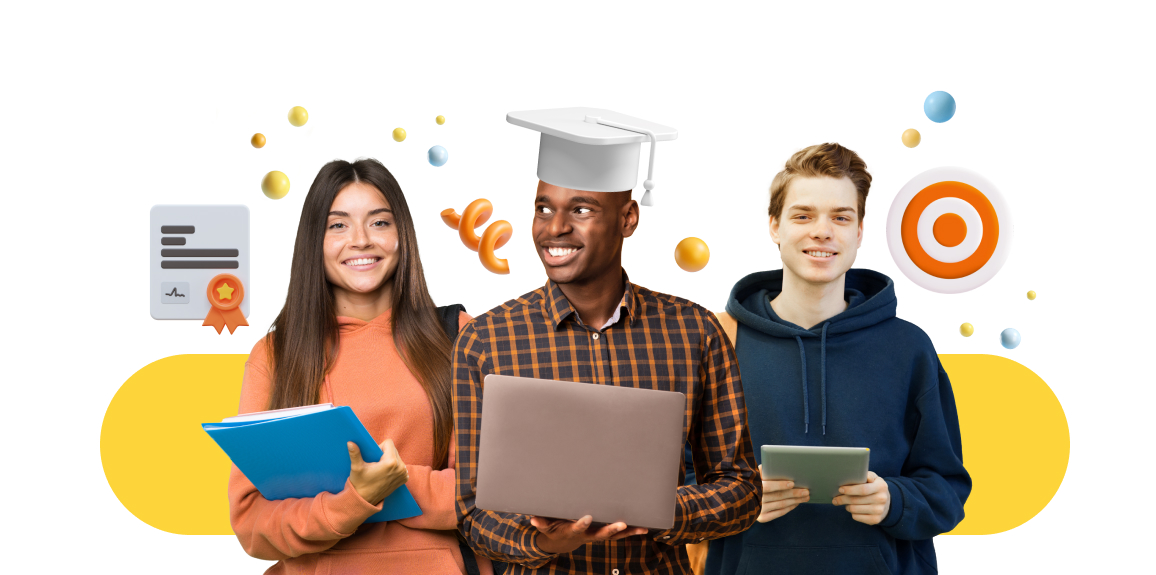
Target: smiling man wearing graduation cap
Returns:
[590, 324]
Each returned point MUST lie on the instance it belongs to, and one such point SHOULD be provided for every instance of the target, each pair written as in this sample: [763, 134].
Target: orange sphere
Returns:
[691, 254]
[258, 140]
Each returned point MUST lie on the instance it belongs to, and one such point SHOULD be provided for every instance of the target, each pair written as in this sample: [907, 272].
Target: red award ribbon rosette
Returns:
[225, 294]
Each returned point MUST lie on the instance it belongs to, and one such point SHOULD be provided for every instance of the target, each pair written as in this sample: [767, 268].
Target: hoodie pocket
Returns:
[851, 560]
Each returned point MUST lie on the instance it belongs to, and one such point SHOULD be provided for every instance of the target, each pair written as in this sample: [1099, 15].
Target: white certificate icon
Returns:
[190, 245]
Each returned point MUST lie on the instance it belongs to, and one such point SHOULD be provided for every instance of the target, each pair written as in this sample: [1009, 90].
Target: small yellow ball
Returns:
[966, 330]
[275, 185]
[691, 254]
[258, 140]
[440, 120]
[398, 134]
[298, 116]
[1032, 294]
[911, 138]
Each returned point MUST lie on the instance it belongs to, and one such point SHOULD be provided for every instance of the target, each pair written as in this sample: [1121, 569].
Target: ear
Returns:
[775, 230]
[859, 241]
[628, 215]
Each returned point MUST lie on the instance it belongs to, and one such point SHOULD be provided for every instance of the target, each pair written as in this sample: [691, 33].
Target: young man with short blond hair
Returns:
[825, 362]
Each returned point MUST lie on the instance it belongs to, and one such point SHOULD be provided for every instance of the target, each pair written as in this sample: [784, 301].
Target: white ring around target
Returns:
[926, 232]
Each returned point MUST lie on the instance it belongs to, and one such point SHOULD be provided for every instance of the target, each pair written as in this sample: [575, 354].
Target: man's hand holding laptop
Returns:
[564, 536]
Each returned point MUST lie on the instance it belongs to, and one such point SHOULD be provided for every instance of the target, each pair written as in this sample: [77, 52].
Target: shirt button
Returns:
[614, 572]
[595, 336]
[666, 537]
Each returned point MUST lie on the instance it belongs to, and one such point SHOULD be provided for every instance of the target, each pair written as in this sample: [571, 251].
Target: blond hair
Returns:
[822, 160]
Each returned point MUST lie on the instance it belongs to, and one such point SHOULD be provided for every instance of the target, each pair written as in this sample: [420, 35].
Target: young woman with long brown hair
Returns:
[359, 329]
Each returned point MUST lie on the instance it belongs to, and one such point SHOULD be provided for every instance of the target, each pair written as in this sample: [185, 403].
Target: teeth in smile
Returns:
[821, 254]
[360, 262]
[559, 252]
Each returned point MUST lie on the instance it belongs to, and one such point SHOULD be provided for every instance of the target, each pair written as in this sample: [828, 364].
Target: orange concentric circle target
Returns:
[949, 230]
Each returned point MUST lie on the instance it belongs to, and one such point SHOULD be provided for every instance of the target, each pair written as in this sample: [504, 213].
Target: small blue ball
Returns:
[1010, 338]
[438, 156]
[939, 107]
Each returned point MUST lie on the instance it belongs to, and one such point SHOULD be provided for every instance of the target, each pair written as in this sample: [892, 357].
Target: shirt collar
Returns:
[557, 308]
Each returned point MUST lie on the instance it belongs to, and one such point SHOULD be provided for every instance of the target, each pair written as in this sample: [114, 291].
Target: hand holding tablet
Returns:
[795, 474]
[867, 502]
[779, 498]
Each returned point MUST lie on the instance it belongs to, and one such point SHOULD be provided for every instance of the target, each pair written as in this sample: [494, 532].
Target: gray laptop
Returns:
[562, 449]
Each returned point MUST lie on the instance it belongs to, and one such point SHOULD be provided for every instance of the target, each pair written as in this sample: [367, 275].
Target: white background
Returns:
[110, 109]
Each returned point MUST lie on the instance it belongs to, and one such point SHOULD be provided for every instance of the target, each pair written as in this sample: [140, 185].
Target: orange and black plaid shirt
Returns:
[659, 342]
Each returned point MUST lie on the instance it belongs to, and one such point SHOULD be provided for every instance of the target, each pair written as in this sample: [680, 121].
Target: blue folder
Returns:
[303, 455]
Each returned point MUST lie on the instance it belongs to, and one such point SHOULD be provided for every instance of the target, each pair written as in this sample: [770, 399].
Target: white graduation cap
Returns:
[592, 149]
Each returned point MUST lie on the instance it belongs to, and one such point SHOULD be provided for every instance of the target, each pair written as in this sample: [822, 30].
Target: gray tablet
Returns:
[822, 470]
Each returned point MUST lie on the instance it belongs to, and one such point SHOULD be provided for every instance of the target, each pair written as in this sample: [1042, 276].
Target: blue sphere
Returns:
[1010, 338]
[438, 156]
[939, 107]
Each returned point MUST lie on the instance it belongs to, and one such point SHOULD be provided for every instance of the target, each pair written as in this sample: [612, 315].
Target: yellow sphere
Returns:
[966, 330]
[298, 116]
[691, 254]
[911, 138]
[440, 120]
[275, 185]
[1032, 294]
[258, 140]
[398, 134]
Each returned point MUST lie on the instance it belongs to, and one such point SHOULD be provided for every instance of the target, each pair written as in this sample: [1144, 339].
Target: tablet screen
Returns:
[822, 470]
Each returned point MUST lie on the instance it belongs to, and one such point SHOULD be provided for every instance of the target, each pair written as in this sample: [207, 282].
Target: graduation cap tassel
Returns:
[649, 183]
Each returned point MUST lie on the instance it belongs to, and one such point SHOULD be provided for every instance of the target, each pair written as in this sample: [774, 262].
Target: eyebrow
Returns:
[372, 213]
[802, 208]
[574, 200]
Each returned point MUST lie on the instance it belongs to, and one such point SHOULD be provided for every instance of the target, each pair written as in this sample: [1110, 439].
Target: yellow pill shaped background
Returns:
[159, 462]
[1015, 442]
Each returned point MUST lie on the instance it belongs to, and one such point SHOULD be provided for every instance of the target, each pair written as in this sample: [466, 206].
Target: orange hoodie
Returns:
[325, 534]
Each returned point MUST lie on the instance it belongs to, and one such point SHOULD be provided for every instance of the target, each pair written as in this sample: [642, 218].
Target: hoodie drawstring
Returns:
[823, 373]
[806, 411]
[822, 380]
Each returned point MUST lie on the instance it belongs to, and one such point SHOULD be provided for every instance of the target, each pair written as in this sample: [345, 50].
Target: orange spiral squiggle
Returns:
[451, 218]
[494, 237]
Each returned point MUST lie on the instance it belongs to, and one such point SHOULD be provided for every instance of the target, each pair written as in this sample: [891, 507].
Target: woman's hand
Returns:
[375, 481]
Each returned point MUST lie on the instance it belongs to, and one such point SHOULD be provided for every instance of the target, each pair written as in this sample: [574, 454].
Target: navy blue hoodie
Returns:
[863, 378]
